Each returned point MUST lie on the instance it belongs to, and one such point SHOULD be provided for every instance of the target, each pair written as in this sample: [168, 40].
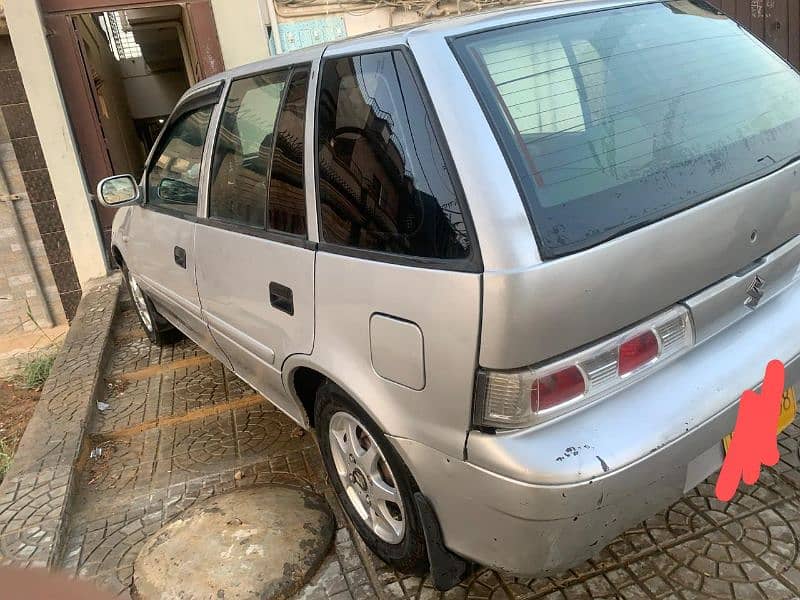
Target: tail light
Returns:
[555, 389]
[525, 397]
[637, 352]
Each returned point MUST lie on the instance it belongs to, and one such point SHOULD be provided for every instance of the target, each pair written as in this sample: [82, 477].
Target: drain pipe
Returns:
[9, 200]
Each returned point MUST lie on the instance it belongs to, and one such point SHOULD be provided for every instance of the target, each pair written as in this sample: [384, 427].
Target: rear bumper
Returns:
[545, 499]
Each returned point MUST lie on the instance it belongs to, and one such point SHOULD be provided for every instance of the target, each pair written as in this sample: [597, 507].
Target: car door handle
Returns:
[281, 297]
[180, 256]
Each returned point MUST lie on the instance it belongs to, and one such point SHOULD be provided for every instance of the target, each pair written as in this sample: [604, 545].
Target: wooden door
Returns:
[776, 22]
[76, 88]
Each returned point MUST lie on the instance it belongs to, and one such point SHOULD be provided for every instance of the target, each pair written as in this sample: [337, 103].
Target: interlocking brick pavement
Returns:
[178, 428]
[342, 576]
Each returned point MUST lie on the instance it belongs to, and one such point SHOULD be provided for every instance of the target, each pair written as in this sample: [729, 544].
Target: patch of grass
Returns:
[5, 458]
[36, 372]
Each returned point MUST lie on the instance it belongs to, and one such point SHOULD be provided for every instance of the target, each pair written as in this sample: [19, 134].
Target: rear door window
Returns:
[287, 200]
[617, 118]
[243, 152]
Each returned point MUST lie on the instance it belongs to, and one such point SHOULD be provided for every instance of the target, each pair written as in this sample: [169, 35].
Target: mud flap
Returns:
[447, 569]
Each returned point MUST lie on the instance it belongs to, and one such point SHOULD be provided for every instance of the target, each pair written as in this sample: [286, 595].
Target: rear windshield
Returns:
[617, 118]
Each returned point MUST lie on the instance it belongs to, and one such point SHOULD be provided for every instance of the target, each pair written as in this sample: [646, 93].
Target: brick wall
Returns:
[23, 161]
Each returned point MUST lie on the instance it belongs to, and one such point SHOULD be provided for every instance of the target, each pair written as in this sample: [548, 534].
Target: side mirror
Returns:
[118, 191]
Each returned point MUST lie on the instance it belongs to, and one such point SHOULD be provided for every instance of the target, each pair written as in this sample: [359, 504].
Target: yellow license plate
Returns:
[786, 418]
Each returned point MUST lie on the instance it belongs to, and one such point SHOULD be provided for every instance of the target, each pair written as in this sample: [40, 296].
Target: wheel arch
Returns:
[302, 377]
[304, 382]
[116, 256]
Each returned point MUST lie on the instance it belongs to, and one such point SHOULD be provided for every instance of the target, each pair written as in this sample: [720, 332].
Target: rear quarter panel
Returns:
[446, 308]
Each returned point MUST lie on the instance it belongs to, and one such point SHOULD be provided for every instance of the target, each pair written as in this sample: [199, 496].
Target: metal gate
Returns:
[776, 22]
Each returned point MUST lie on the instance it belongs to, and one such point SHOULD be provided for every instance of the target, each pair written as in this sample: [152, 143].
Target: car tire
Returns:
[354, 481]
[160, 331]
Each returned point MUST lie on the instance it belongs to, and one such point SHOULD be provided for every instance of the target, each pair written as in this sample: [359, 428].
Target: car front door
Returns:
[160, 234]
[255, 266]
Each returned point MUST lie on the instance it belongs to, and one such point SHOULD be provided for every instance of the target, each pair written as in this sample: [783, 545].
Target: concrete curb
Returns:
[36, 492]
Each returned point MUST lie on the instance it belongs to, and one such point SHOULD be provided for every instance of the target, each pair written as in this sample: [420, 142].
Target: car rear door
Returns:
[255, 265]
[160, 249]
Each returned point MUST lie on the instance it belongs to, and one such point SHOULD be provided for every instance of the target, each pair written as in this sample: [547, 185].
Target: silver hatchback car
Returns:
[514, 268]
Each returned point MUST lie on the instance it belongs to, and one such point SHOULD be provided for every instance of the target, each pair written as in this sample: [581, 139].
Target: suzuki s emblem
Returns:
[755, 291]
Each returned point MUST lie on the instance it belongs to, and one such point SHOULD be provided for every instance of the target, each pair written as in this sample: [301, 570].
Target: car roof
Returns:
[439, 27]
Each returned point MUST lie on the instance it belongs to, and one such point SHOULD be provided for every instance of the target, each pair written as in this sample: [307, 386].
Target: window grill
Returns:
[123, 43]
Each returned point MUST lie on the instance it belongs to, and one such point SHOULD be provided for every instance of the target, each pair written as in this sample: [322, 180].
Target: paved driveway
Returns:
[176, 427]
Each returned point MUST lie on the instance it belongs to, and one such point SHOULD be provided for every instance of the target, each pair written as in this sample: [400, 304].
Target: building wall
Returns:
[379, 18]
[26, 176]
[241, 30]
[242, 25]
[151, 94]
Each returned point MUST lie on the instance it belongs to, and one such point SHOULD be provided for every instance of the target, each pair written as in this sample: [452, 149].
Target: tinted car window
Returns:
[243, 151]
[383, 181]
[287, 201]
[173, 180]
[617, 118]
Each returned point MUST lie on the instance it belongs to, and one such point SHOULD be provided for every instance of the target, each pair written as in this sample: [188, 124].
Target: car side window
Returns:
[287, 200]
[173, 180]
[384, 183]
[243, 152]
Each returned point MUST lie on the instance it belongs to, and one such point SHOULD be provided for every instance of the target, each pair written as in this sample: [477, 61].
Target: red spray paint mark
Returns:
[755, 437]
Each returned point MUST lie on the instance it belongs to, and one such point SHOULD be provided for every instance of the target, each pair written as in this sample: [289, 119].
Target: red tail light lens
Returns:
[636, 352]
[557, 388]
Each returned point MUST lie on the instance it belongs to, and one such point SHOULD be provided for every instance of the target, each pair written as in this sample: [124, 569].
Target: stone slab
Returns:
[262, 542]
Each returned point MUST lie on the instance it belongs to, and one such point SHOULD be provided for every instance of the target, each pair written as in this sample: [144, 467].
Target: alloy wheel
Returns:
[366, 477]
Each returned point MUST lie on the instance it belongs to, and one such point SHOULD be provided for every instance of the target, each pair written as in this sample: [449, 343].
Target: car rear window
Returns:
[616, 118]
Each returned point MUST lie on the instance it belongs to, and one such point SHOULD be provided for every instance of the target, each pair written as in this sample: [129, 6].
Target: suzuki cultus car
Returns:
[515, 268]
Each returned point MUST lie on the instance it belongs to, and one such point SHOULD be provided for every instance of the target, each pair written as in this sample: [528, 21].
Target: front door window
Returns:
[173, 180]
